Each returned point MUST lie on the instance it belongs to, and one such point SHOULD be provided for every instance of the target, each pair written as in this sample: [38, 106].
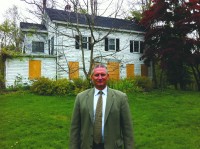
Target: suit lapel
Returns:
[90, 104]
[109, 102]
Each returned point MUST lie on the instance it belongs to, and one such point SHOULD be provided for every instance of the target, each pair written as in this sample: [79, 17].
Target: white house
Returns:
[54, 48]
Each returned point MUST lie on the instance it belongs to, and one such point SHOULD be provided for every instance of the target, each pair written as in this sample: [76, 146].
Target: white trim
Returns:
[34, 30]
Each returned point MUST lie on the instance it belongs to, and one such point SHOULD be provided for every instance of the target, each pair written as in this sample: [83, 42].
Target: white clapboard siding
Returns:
[18, 68]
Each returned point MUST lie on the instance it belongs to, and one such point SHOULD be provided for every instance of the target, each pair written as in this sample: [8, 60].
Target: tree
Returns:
[9, 31]
[137, 8]
[192, 23]
[167, 37]
[10, 39]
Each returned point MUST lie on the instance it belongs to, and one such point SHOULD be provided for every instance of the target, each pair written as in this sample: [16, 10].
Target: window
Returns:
[37, 46]
[136, 46]
[34, 69]
[86, 42]
[111, 44]
[130, 70]
[49, 46]
[114, 70]
[73, 70]
[52, 45]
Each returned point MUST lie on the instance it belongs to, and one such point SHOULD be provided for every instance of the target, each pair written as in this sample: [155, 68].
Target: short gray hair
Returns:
[99, 66]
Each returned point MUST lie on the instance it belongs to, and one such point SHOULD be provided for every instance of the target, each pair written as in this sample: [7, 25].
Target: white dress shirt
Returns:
[104, 98]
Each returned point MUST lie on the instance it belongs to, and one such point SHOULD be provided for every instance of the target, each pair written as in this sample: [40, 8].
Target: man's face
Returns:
[100, 78]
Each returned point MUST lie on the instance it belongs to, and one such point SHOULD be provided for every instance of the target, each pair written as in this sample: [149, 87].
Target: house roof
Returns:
[66, 16]
[32, 26]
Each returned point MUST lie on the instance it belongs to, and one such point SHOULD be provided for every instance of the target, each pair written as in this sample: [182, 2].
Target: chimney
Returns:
[95, 7]
[68, 8]
[44, 5]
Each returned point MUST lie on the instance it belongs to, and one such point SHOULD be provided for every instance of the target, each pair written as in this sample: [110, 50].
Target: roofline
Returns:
[97, 27]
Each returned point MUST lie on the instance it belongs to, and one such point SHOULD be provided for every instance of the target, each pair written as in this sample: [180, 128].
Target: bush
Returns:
[2, 82]
[143, 82]
[124, 85]
[43, 86]
[63, 87]
[81, 85]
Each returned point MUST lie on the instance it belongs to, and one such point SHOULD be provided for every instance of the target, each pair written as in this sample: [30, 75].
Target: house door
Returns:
[113, 70]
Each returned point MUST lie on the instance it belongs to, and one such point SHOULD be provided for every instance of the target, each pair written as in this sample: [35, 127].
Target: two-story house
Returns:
[66, 43]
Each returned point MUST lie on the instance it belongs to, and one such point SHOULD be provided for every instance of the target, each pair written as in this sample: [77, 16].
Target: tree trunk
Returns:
[196, 74]
[154, 79]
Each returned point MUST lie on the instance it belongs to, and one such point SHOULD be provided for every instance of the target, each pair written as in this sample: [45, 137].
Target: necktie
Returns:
[98, 121]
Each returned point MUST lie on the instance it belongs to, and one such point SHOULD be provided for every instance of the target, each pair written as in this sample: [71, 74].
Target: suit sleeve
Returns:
[75, 126]
[126, 124]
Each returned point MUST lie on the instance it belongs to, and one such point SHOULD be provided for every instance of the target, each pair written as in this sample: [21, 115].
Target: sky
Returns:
[6, 4]
[22, 8]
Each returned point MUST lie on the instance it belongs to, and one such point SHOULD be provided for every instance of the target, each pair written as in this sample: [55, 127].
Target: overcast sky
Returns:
[22, 8]
[6, 4]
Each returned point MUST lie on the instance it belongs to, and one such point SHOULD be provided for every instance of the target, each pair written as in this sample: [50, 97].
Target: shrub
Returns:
[124, 85]
[2, 82]
[63, 87]
[81, 85]
[43, 86]
[143, 82]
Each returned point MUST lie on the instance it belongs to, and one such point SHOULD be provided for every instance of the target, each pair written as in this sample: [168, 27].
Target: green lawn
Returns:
[161, 120]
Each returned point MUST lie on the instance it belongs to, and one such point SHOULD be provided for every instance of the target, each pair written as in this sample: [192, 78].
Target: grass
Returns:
[161, 120]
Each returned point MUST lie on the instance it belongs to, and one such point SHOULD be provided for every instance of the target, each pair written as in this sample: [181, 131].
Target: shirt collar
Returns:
[96, 91]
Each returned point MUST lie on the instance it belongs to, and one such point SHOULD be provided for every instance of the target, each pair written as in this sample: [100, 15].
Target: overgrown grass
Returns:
[161, 120]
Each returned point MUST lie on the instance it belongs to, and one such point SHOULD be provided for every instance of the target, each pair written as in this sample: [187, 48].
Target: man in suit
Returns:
[114, 120]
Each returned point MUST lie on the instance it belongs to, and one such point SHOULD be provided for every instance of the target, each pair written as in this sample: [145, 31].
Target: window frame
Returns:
[116, 44]
[112, 44]
[37, 45]
[86, 43]
[133, 46]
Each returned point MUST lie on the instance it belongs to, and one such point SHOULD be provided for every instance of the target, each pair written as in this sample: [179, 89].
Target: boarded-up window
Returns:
[73, 70]
[34, 69]
[130, 70]
[144, 70]
[113, 70]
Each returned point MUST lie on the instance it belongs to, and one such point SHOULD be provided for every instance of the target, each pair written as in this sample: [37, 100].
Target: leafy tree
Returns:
[192, 24]
[9, 39]
[9, 31]
[167, 40]
[137, 8]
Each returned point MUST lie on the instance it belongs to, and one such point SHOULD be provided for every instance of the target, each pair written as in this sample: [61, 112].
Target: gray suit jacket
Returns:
[118, 131]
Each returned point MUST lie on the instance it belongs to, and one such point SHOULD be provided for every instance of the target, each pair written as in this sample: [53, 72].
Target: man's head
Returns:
[100, 76]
